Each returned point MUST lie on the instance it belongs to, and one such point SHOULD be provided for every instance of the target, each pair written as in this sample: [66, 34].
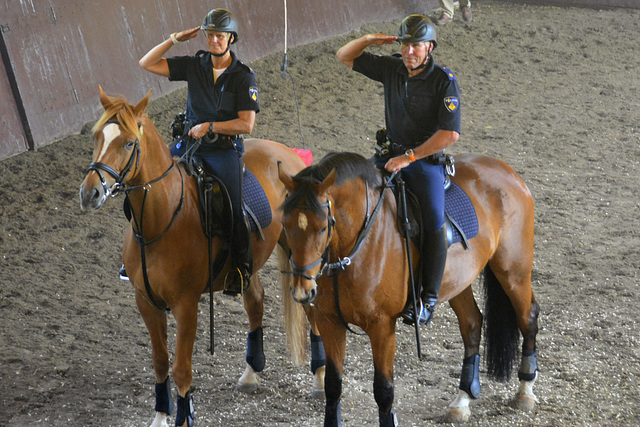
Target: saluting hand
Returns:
[185, 35]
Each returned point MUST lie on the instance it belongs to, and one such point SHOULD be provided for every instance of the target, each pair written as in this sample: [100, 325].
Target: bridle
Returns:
[331, 268]
[302, 271]
[99, 167]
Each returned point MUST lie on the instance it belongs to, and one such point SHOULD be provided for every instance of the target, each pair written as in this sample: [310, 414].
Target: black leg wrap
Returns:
[185, 410]
[333, 415]
[470, 376]
[388, 420]
[528, 366]
[318, 358]
[255, 351]
[164, 403]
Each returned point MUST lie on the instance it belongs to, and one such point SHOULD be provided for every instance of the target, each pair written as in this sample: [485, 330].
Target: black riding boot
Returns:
[433, 257]
[237, 280]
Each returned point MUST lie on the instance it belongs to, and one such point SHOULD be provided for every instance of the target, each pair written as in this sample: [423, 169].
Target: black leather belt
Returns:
[220, 139]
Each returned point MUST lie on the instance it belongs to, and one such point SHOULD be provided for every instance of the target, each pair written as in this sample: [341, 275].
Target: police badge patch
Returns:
[253, 93]
[451, 103]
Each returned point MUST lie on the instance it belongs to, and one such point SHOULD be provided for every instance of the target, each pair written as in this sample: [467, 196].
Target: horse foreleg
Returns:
[383, 346]
[156, 322]
[186, 315]
[254, 306]
[318, 356]
[470, 323]
[335, 344]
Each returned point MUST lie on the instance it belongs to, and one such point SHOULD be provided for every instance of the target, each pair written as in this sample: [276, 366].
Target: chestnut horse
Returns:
[351, 264]
[130, 155]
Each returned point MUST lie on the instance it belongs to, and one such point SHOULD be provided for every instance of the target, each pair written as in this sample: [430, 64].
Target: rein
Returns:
[333, 269]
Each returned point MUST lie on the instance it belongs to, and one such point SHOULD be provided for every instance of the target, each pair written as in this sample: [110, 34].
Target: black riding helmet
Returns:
[416, 29]
[221, 20]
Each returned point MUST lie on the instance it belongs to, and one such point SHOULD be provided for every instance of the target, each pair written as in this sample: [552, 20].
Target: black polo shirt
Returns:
[235, 90]
[416, 107]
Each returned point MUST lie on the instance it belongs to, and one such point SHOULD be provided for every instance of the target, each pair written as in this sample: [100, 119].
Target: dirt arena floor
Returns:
[554, 92]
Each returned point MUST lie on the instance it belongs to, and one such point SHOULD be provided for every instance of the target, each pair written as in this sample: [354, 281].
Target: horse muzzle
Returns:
[302, 295]
[92, 196]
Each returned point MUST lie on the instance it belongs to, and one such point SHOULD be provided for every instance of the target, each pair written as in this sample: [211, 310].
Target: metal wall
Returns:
[58, 51]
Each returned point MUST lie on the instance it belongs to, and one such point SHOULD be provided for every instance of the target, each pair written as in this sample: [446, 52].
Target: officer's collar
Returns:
[205, 60]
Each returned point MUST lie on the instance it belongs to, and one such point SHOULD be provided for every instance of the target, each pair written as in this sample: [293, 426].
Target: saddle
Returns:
[460, 215]
[215, 204]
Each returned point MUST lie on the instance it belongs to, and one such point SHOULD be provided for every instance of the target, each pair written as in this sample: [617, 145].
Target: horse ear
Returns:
[142, 105]
[105, 100]
[286, 179]
[328, 182]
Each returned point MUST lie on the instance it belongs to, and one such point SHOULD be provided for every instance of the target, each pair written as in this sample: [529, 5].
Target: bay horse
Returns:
[350, 263]
[130, 155]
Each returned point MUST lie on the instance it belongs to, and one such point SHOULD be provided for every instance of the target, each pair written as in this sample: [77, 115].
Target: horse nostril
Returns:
[312, 293]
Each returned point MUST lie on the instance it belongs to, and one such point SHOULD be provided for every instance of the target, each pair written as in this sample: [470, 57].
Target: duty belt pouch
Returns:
[382, 143]
[178, 125]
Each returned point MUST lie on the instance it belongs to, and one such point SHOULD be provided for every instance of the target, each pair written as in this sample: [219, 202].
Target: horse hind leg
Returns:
[253, 301]
[525, 399]
[506, 287]
[470, 322]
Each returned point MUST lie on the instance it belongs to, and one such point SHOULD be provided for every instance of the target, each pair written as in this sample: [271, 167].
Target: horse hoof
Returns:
[524, 403]
[161, 420]
[246, 388]
[248, 382]
[457, 415]
[317, 393]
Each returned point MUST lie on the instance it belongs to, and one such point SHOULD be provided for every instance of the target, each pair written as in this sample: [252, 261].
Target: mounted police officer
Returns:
[422, 116]
[222, 102]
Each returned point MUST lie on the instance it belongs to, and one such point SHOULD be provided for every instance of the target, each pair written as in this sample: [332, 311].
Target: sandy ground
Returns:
[554, 92]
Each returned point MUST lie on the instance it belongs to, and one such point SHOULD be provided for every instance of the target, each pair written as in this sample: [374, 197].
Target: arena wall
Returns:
[56, 52]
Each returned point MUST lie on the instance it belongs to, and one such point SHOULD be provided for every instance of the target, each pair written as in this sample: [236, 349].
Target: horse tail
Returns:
[500, 329]
[295, 325]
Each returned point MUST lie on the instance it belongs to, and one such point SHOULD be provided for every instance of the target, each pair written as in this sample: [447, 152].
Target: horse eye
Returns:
[323, 230]
[129, 145]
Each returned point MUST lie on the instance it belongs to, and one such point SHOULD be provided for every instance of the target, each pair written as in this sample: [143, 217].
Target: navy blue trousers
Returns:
[426, 182]
[226, 165]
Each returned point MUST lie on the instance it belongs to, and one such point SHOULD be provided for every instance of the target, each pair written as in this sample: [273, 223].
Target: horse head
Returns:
[118, 134]
[308, 224]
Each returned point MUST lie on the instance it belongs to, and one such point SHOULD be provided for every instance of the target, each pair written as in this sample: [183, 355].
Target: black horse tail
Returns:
[500, 329]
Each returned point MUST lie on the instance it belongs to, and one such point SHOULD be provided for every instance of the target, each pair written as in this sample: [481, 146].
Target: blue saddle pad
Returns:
[255, 199]
[460, 213]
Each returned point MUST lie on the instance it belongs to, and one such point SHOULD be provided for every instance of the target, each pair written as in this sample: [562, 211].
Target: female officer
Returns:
[422, 115]
[222, 102]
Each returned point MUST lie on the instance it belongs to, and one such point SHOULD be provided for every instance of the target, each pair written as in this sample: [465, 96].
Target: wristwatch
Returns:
[210, 127]
[410, 155]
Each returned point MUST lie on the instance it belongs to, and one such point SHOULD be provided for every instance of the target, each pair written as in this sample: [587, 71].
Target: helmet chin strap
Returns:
[423, 65]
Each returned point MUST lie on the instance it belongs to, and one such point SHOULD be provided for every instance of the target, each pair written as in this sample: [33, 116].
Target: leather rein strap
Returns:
[333, 269]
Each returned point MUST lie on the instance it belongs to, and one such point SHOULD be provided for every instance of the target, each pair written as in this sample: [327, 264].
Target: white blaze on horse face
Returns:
[110, 132]
[302, 221]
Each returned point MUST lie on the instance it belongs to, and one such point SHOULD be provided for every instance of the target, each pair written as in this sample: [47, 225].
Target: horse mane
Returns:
[347, 165]
[122, 112]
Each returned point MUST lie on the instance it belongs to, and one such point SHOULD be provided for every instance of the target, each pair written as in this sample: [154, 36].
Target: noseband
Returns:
[98, 167]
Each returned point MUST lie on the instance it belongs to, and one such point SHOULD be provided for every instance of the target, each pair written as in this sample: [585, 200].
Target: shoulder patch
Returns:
[253, 93]
[448, 72]
[451, 103]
